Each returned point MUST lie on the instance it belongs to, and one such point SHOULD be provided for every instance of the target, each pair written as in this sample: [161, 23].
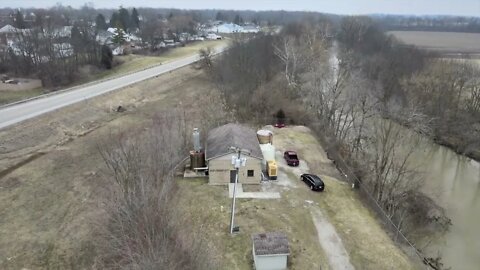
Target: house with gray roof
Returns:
[270, 251]
[218, 155]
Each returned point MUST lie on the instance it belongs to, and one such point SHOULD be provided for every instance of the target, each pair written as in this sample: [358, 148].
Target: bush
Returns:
[107, 57]
[143, 228]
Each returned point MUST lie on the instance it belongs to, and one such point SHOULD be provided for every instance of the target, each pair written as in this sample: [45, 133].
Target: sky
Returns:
[348, 7]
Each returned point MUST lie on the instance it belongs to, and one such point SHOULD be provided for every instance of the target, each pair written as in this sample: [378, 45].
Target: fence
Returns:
[368, 198]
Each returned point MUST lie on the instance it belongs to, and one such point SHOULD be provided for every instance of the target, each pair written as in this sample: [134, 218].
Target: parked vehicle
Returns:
[313, 181]
[291, 158]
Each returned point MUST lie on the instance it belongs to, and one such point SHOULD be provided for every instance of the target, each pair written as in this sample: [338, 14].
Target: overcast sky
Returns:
[416, 7]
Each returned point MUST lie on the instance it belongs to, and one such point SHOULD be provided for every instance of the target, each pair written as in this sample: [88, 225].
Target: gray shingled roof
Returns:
[220, 139]
[270, 243]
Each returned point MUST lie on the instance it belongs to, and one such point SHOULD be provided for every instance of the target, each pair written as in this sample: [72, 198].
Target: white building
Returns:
[250, 29]
[213, 36]
[226, 28]
[270, 251]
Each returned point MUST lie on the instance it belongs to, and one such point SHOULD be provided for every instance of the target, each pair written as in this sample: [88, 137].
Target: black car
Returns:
[313, 181]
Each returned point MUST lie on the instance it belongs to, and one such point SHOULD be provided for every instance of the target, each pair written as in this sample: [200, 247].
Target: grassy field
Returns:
[52, 201]
[130, 63]
[50, 204]
[447, 42]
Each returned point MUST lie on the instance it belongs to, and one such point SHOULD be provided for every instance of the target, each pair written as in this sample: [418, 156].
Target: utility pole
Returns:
[237, 162]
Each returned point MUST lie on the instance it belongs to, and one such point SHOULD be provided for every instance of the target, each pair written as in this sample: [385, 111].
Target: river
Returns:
[453, 182]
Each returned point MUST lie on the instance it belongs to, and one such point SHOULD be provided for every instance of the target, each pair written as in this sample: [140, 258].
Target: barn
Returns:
[218, 155]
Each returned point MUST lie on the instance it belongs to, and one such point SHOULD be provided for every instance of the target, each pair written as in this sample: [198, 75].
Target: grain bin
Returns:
[268, 151]
[197, 160]
[265, 136]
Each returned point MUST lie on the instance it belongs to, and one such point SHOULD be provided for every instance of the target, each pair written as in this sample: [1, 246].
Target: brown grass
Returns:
[368, 245]
[49, 205]
[449, 42]
[253, 216]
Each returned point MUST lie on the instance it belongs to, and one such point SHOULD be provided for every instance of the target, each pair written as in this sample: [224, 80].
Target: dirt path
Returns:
[328, 238]
[348, 234]
[331, 243]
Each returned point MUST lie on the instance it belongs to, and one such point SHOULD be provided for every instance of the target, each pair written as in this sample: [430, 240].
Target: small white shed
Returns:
[270, 251]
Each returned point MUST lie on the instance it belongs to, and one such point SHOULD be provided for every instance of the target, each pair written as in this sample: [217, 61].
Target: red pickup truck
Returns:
[291, 158]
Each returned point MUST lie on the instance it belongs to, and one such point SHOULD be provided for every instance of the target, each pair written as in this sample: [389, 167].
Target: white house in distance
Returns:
[229, 28]
[218, 155]
[226, 28]
[270, 251]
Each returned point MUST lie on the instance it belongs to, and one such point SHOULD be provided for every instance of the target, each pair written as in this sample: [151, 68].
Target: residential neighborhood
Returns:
[32, 41]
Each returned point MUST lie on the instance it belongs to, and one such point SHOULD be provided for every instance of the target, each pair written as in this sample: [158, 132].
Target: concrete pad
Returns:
[251, 195]
[193, 174]
[259, 195]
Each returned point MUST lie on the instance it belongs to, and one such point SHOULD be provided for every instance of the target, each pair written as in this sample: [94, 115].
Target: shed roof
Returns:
[220, 139]
[270, 243]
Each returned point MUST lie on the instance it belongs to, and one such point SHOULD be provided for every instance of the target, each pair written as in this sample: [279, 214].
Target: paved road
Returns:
[19, 112]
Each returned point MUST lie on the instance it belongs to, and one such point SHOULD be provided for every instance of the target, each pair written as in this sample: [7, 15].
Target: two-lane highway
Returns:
[19, 112]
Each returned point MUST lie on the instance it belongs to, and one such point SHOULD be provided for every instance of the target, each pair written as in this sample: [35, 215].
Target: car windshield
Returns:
[292, 156]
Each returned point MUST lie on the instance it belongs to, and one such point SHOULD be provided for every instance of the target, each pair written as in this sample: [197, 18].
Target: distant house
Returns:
[250, 29]
[270, 251]
[7, 34]
[213, 36]
[218, 154]
[63, 50]
[61, 32]
[104, 38]
[226, 28]
[127, 36]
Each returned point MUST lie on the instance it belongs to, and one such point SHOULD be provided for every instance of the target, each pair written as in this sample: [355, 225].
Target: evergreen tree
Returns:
[115, 20]
[134, 20]
[220, 16]
[76, 39]
[107, 57]
[238, 20]
[119, 36]
[100, 22]
[18, 21]
[124, 18]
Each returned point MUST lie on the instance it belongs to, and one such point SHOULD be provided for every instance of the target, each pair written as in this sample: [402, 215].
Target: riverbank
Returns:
[454, 144]
[458, 143]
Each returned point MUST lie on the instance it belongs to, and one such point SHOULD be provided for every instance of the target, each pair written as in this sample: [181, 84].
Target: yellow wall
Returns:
[219, 170]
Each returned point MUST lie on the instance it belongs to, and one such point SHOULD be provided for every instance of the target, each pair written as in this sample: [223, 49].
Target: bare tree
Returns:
[293, 58]
[142, 228]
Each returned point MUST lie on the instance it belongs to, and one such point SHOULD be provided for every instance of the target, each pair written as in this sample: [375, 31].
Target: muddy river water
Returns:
[453, 181]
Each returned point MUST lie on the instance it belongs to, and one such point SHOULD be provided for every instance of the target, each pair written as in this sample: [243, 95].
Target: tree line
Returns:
[429, 23]
[417, 84]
